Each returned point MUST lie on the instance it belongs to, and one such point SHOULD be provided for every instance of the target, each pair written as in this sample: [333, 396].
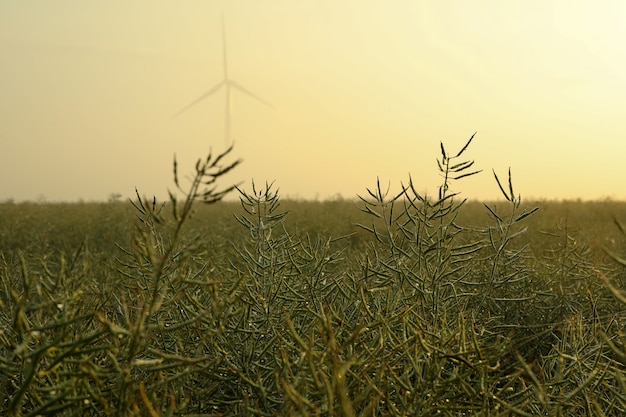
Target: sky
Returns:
[358, 90]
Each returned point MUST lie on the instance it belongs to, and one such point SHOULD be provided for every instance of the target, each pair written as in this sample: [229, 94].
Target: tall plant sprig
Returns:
[419, 236]
[507, 299]
[452, 170]
[263, 266]
[261, 215]
[504, 229]
[160, 288]
[202, 188]
[266, 259]
[446, 210]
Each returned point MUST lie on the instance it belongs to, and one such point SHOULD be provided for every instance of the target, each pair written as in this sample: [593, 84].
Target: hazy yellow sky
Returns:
[359, 89]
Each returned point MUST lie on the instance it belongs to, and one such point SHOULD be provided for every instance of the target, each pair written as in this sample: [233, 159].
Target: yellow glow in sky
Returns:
[359, 90]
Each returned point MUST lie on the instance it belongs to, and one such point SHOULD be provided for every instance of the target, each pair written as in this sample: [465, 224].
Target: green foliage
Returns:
[429, 305]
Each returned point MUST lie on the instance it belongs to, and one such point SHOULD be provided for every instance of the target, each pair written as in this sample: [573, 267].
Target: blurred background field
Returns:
[42, 227]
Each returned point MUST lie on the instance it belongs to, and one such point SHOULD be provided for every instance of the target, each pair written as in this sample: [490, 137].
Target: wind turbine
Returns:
[229, 85]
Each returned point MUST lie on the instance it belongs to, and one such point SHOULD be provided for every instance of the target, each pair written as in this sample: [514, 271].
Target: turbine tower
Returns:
[229, 85]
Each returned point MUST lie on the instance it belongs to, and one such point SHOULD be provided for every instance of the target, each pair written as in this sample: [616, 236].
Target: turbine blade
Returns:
[224, 60]
[236, 85]
[199, 99]
[227, 115]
